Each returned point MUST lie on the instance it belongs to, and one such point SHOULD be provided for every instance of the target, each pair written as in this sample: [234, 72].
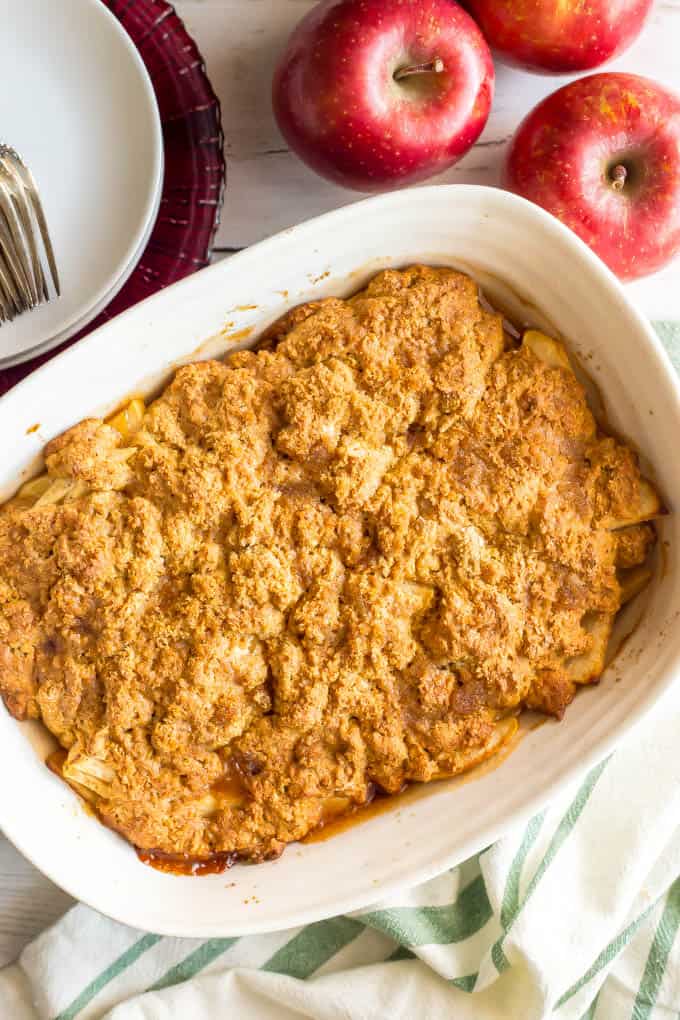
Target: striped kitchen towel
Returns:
[573, 915]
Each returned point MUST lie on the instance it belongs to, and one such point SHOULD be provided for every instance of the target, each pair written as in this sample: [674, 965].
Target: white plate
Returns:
[493, 233]
[91, 313]
[78, 105]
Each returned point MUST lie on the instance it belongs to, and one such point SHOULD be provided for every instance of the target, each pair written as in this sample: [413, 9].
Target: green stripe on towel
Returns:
[193, 963]
[606, 956]
[114, 970]
[421, 926]
[313, 946]
[511, 896]
[655, 967]
[563, 830]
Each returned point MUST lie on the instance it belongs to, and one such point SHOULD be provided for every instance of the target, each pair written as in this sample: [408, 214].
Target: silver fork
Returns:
[23, 283]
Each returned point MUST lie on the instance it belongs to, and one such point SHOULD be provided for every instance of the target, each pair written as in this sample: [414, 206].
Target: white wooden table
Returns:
[269, 189]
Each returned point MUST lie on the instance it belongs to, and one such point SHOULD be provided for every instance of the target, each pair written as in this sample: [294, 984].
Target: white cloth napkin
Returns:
[573, 915]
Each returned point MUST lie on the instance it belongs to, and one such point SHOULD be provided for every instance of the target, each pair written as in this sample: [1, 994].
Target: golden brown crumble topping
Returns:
[335, 563]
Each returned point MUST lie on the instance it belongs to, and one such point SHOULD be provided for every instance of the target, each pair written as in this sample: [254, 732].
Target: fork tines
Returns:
[23, 233]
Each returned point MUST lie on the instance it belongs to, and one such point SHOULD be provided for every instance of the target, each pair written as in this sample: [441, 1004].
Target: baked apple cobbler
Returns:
[334, 565]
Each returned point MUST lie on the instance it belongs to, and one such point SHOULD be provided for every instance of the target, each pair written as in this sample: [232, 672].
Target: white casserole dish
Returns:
[493, 234]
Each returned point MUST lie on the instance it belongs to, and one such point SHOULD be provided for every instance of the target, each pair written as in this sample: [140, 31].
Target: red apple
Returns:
[559, 35]
[375, 94]
[603, 155]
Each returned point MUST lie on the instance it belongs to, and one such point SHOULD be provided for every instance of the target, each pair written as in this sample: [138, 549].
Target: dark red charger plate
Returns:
[194, 177]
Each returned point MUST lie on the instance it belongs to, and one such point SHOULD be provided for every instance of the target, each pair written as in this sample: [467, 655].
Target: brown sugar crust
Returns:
[325, 566]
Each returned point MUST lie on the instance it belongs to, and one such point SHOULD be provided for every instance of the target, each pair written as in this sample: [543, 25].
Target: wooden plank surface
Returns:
[269, 189]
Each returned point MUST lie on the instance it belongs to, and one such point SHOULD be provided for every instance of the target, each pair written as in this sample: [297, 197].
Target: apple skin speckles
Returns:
[559, 36]
[603, 155]
[346, 106]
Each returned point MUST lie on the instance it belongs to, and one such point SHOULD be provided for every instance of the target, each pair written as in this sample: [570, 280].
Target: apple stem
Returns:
[435, 66]
[618, 177]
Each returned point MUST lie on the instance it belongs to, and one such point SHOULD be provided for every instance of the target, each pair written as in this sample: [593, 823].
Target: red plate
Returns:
[193, 184]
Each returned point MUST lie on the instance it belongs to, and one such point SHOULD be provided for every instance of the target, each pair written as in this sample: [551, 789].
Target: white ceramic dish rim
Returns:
[140, 236]
[573, 766]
